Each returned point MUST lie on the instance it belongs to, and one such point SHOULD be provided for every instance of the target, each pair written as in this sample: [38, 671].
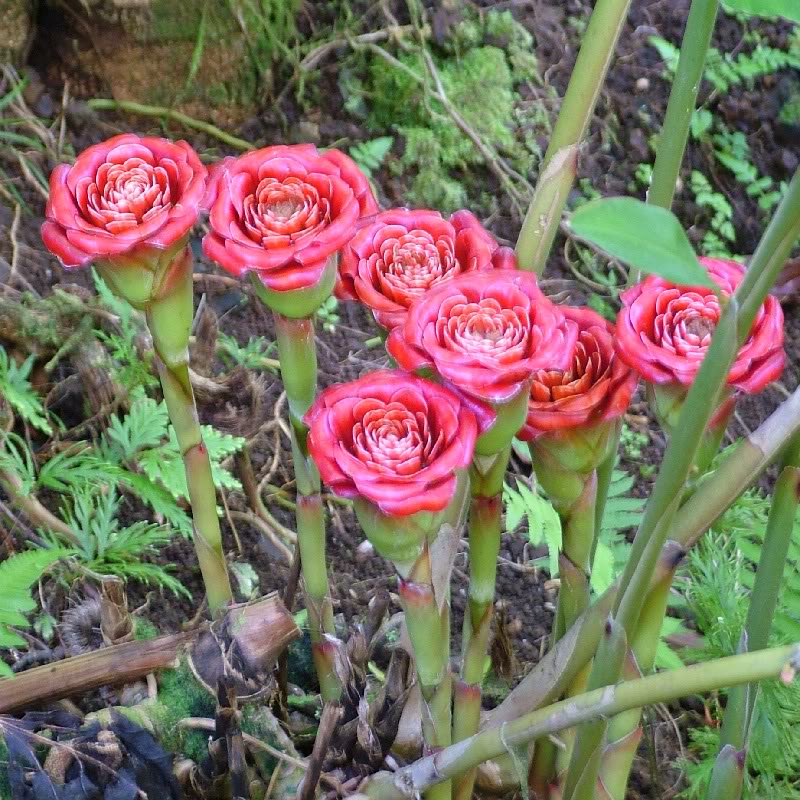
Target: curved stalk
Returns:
[297, 353]
[560, 162]
[484, 545]
[661, 687]
[169, 319]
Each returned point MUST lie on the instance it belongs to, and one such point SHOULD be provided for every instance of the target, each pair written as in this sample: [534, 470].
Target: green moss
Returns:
[5, 788]
[144, 629]
[181, 696]
[484, 59]
[790, 111]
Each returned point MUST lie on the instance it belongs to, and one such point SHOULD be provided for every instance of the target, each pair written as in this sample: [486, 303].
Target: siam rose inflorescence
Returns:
[486, 333]
[663, 331]
[596, 386]
[574, 414]
[282, 212]
[126, 203]
[396, 444]
[401, 254]
[394, 439]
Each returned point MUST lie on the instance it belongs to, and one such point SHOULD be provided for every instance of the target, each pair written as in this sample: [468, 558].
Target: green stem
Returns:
[682, 101]
[428, 623]
[101, 104]
[605, 473]
[559, 166]
[738, 470]
[661, 687]
[298, 357]
[764, 599]
[484, 546]
[578, 542]
[169, 319]
[676, 466]
[584, 763]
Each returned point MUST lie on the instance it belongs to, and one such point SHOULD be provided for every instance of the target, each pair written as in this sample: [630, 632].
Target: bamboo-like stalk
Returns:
[682, 102]
[485, 527]
[169, 318]
[428, 622]
[738, 470]
[661, 687]
[297, 353]
[560, 161]
[760, 614]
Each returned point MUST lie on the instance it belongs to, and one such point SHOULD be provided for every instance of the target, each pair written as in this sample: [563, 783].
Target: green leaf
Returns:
[18, 392]
[246, 578]
[17, 576]
[767, 8]
[649, 238]
[370, 155]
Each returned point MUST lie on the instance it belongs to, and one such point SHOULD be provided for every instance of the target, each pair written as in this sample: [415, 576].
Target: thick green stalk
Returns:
[428, 622]
[675, 469]
[581, 776]
[559, 166]
[738, 470]
[484, 529]
[297, 353]
[661, 687]
[727, 777]
[764, 599]
[682, 101]
[169, 319]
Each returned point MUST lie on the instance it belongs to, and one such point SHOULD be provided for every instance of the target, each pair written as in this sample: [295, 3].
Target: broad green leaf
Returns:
[648, 238]
[767, 8]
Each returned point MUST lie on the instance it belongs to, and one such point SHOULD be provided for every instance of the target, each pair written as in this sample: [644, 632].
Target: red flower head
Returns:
[395, 440]
[402, 254]
[484, 332]
[126, 198]
[663, 331]
[596, 387]
[283, 211]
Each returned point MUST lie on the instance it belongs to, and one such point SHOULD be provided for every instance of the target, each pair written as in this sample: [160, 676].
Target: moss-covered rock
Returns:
[199, 56]
[480, 66]
[16, 30]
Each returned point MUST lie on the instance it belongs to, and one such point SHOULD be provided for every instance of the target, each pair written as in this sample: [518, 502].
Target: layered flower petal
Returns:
[486, 333]
[400, 254]
[394, 439]
[127, 194]
[663, 331]
[596, 386]
[283, 211]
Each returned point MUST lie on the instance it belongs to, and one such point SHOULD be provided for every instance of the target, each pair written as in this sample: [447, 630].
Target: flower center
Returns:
[487, 330]
[588, 366]
[700, 327]
[391, 439]
[284, 210]
[409, 265]
[685, 322]
[124, 195]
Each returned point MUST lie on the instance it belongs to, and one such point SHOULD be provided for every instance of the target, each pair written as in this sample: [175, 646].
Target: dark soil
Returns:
[631, 107]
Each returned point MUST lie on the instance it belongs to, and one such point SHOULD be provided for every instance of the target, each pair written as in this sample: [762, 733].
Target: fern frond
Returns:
[19, 393]
[17, 575]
